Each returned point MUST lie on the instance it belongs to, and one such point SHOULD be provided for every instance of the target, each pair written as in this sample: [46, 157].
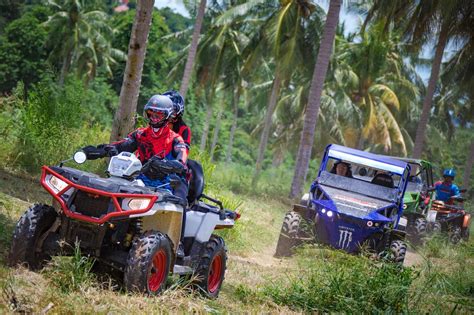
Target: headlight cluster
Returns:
[329, 213]
[57, 184]
[138, 203]
[371, 224]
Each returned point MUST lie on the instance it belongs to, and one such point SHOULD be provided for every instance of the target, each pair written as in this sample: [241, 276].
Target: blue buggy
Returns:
[353, 206]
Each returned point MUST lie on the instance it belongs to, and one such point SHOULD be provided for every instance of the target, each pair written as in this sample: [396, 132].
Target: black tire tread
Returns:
[35, 221]
[289, 234]
[213, 247]
[398, 251]
[139, 259]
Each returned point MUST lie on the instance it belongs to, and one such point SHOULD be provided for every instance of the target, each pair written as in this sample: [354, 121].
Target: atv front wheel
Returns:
[212, 266]
[291, 235]
[398, 250]
[26, 247]
[436, 227]
[455, 234]
[148, 263]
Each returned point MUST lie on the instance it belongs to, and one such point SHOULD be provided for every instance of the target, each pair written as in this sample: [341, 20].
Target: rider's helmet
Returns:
[178, 102]
[158, 110]
[449, 172]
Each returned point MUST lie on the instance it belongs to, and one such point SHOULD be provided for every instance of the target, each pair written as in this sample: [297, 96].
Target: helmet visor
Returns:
[155, 117]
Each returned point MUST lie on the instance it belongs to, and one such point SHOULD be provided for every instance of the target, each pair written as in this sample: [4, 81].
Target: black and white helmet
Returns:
[158, 110]
[178, 102]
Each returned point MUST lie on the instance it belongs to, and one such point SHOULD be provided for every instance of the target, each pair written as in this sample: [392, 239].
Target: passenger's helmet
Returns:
[158, 111]
[178, 102]
[449, 172]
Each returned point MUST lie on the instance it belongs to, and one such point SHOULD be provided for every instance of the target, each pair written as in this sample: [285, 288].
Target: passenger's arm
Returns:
[180, 151]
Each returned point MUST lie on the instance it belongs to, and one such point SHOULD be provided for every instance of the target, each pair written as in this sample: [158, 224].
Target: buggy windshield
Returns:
[359, 186]
[417, 180]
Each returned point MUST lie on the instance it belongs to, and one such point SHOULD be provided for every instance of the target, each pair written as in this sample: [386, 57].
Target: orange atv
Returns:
[444, 217]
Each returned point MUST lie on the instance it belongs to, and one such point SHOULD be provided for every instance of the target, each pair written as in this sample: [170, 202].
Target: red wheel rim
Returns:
[157, 271]
[215, 274]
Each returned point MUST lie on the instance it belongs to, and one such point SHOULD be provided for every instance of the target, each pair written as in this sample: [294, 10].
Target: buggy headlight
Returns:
[329, 213]
[138, 203]
[323, 210]
[57, 184]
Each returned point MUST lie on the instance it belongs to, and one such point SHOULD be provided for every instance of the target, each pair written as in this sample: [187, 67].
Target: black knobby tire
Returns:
[419, 226]
[210, 272]
[148, 263]
[436, 227]
[398, 250]
[28, 231]
[465, 234]
[454, 234]
[291, 234]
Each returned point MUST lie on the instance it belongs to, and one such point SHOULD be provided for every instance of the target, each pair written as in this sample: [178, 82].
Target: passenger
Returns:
[342, 169]
[383, 179]
[446, 189]
[177, 123]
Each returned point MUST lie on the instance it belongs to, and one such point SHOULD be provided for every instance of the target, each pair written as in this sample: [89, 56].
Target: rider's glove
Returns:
[93, 153]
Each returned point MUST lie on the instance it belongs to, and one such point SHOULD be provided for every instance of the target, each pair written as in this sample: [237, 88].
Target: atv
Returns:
[361, 210]
[131, 229]
[418, 197]
[450, 219]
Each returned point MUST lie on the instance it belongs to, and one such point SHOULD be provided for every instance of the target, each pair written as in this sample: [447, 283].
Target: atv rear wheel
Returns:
[398, 250]
[420, 226]
[465, 234]
[29, 230]
[212, 265]
[455, 234]
[291, 234]
[148, 263]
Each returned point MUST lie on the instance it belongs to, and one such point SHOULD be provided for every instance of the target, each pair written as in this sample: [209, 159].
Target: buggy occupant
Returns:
[383, 179]
[177, 123]
[342, 169]
[154, 144]
[446, 189]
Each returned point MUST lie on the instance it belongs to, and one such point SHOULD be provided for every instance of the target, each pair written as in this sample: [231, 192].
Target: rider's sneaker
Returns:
[180, 250]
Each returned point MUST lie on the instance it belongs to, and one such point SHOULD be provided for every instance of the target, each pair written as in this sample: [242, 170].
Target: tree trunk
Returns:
[188, 68]
[421, 129]
[314, 99]
[235, 107]
[468, 169]
[124, 116]
[216, 133]
[205, 132]
[266, 127]
[65, 68]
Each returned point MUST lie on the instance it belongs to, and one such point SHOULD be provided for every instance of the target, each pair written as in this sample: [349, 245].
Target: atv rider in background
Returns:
[155, 144]
[446, 189]
[177, 123]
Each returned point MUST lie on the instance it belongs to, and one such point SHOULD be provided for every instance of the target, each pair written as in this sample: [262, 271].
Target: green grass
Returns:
[315, 280]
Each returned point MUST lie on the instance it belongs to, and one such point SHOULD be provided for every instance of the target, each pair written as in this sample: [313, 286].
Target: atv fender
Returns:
[467, 220]
[167, 222]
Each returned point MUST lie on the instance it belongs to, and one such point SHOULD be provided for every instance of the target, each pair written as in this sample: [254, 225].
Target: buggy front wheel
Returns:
[398, 250]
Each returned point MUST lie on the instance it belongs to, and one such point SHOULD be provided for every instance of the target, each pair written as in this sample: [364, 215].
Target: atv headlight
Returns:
[138, 203]
[57, 184]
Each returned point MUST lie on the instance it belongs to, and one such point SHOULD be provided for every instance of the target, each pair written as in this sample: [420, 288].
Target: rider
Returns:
[446, 189]
[152, 143]
[342, 169]
[177, 123]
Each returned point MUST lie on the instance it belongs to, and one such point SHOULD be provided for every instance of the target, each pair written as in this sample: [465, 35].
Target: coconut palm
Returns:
[78, 34]
[421, 21]
[124, 116]
[188, 68]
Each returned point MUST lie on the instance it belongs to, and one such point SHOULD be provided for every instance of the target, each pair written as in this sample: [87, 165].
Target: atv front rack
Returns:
[118, 210]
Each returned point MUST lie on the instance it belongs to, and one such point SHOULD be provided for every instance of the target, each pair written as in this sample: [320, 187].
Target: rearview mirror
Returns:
[79, 157]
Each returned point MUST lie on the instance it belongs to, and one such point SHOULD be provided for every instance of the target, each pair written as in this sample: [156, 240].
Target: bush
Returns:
[337, 282]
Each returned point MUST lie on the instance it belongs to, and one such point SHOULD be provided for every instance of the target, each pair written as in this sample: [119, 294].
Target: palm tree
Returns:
[312, 111]
[78, 34]
[124, 116]
[469, 164]
[420, 20]
[188, 68]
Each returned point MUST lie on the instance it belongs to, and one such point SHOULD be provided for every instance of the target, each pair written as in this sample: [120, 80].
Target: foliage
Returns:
[71, 273]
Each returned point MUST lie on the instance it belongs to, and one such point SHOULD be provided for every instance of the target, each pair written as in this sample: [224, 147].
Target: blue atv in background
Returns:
[359, 208]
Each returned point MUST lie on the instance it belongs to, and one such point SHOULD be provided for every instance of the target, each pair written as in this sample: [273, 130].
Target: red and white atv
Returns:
[121, 223]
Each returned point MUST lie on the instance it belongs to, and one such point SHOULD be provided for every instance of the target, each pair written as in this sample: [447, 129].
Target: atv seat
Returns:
[383, 180]
[196, 183]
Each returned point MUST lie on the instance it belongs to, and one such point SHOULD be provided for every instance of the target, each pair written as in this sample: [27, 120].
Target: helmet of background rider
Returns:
[178, 102]
[449, 172]
[158, 111]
